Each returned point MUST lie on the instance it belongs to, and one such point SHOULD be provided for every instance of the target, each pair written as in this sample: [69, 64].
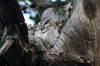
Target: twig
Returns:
[45, 5]
[6, 46]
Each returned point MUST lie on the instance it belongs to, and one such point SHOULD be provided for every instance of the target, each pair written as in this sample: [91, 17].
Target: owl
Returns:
[49, 33]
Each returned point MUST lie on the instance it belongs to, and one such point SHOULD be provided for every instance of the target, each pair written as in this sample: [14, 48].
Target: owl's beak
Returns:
[42, 27]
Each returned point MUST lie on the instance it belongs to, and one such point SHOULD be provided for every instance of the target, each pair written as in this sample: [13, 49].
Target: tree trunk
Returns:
[78, 43]
[15, 49]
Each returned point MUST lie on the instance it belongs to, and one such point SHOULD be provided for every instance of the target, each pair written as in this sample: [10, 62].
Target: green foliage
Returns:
[37, 3]
[36, 19]
[57, 10]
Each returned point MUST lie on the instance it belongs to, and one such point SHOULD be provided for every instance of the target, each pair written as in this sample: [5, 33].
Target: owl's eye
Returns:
[46, 22]
[61, 26]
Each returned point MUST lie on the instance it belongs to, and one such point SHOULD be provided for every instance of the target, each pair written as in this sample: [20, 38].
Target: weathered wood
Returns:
[79, 38]
[15, 49]
[7, 12]
[6, 46]
[77, 45]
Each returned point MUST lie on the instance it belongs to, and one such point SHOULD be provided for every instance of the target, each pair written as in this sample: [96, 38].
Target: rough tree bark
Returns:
[78, 43]
[15, 49]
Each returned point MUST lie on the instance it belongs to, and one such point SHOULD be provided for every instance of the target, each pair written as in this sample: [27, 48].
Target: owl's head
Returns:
[49, 18]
